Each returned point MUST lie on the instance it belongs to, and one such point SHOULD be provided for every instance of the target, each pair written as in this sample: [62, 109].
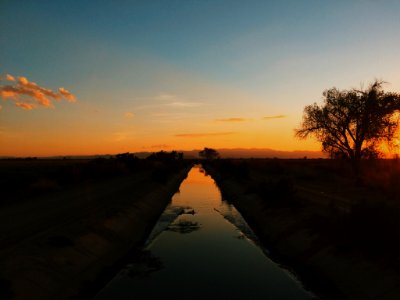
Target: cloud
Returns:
[29, 95]
[199, 135]
[184, 104]
[166, 97]
[129, 115]
[175, 101]
[167, 101]
[10, 77]
[120, 136]
[232, 120]
[160, 146]
[26, 106]
[274, 117]
[67, 94]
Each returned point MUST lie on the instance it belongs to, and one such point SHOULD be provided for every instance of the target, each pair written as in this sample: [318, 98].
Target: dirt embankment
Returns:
[286, 232]
[57, 247]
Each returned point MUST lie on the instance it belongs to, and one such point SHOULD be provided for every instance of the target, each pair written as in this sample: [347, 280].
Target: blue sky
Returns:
[211, 60]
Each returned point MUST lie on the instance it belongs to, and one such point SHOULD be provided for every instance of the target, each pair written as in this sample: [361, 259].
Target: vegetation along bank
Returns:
[340, 237]
[66, 223]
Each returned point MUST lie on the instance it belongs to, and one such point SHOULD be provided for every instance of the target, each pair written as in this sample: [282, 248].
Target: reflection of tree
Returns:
[170, 214]
[184, 226]
[144, 264]
[189, 211]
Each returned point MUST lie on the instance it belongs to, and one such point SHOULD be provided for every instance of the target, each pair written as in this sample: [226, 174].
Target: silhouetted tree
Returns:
[352, 123]
[166, 163]
[129, 159]
[165, 156]
[209, 153]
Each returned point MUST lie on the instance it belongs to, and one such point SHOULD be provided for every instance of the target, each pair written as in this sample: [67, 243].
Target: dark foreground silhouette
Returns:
[342, 238]
[65, 224]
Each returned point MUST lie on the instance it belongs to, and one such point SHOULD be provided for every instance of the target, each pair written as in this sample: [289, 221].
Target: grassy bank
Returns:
[62, 238]
[340, 237]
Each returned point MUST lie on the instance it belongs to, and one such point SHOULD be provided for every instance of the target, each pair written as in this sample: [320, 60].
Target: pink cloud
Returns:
[29, 95]
[67, 94]
[26, 106]
[10, 77]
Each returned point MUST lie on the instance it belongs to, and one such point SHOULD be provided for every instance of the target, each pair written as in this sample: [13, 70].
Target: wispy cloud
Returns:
[274, 117]
[29, 95]
[159, 146]
[10, 77]
[23, 105]
[233, 120]
[67, 94]
[129, 115]
[169, 101]
[166, 97]
[184, 104]
[199, 135]
[120, 136]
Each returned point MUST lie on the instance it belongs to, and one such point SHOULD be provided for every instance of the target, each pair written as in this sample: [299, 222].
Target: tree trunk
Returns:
[356, 165]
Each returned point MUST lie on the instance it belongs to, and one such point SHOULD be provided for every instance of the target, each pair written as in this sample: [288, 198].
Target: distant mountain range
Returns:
[251, 153]
[224, 153]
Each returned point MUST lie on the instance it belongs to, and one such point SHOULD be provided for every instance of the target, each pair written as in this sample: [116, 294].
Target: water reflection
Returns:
[143, 265]
[184, 226]
[214, 257]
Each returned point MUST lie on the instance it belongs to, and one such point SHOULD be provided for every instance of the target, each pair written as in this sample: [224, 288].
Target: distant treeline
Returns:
[21, 179]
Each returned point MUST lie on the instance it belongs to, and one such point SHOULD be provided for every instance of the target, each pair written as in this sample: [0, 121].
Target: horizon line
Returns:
[153, 151]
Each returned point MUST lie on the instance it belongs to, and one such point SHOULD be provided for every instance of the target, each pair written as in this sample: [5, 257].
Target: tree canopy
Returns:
[352, 123]
[209, 153]
[166, 156]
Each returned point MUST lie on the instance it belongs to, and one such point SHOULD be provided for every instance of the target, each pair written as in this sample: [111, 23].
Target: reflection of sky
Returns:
[200, 193]
[178, 66]
[198, 190]
[208, 263]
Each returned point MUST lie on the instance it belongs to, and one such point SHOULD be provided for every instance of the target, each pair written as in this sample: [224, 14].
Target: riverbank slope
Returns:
[55, 246]
[291, 223]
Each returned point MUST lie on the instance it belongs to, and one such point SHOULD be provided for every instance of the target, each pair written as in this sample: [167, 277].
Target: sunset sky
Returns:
[97, 77]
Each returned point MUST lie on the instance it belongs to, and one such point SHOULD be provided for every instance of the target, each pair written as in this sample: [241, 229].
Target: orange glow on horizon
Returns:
[65, 147]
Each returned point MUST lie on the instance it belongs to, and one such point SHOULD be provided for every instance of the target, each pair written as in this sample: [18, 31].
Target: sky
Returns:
[104, 77]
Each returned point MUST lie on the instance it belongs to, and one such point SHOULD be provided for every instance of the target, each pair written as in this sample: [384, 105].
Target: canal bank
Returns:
[202, 248]
[75, 258]
[285, 231]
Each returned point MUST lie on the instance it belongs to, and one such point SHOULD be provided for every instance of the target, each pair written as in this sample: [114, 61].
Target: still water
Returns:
[201, 248]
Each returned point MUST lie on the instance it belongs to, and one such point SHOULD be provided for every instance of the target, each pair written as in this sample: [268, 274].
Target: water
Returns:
[201, 248]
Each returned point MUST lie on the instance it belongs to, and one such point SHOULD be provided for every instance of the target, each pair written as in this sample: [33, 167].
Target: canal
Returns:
[201, 248]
